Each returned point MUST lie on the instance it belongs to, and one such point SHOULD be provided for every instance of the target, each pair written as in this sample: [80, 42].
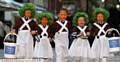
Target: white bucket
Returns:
[9, 50]
[114, 42]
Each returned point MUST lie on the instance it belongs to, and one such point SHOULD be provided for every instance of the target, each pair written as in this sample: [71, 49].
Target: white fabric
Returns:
[80, 48]
[61, 46]
[95, 49]
[24, 44]
[24, 41]
[25, 23]
[104, 47]
[44, 30]
[43, 48]
[101, 28]
[100, 48]
[82, 29]
[61, 43]
[63, 26]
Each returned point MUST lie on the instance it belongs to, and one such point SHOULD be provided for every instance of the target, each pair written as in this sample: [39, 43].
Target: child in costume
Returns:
[80, 48]
[60, 30]
[43, 49]
[25, 27]
[99, 48]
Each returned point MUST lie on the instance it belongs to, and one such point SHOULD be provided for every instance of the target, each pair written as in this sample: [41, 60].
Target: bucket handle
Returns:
[8, 35]
[111, 30]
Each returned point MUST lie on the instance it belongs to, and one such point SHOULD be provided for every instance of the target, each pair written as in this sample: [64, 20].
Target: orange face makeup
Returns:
[28, 13]
[44, 21]
[100, 17]
[81, 21]
[62, 15]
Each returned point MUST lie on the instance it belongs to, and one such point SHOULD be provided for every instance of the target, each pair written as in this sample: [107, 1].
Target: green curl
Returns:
[78, 15]
[103, 11]
[48, 15]
[27, 6]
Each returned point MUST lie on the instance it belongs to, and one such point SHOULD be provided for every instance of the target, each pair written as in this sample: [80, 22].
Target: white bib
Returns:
[44, 30]
[101, 29]
[25, 24]
[63, 26]
[82, 29]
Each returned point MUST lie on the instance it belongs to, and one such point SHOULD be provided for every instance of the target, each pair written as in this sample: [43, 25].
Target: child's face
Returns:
[62, 15]
[100, 17]
[44, 21]
[81, 21]
[28, 13]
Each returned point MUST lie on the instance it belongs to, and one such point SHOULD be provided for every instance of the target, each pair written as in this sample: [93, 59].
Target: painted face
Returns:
[100, 17]
[81, 21]
[62, 15]
[44, 21]
[28, 13]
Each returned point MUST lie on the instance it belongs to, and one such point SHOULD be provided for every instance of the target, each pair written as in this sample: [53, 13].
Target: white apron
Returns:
[80, 48]
[24, 41]
[61, 43]
[100, 45]
[43, 48]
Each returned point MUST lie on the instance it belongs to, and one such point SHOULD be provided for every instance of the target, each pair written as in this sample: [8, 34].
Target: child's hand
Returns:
[82, 34]
[13, 31]
[33, 32]
[88, 33]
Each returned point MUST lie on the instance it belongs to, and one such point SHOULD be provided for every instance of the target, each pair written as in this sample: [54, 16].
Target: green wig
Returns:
[103, 11]
[48, 15]
[27, 6]
[78, 15]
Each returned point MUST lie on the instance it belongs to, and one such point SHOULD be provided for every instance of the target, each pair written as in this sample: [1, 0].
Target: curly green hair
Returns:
[77, 15]
[48, 15]
[27, 6]
[103, 11]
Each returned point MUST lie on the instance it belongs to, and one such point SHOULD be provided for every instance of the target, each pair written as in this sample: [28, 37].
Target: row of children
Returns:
[45, 31]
